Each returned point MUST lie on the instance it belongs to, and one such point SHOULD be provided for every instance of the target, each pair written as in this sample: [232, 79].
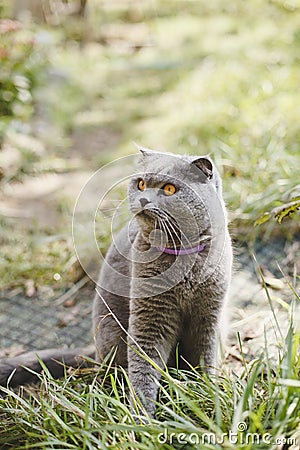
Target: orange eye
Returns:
[169, 189]
[142, 185]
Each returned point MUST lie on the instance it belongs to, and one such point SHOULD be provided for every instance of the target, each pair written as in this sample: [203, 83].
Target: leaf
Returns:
[280, 212]
[285, 210]
[262, 219]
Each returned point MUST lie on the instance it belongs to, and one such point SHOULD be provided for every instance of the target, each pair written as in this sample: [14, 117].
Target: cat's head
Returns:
[178, 195]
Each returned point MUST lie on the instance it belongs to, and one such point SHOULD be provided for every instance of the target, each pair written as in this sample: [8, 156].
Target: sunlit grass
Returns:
[197, 77]
[207, 79]
[187, 77]
[35, 257]
[259, 408]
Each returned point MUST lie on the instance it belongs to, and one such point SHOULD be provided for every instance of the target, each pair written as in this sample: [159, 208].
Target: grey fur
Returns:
[166, 300]
[152, 303]
[56, 360]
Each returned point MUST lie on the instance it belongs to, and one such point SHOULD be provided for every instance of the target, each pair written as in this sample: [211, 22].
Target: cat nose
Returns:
[144, 201]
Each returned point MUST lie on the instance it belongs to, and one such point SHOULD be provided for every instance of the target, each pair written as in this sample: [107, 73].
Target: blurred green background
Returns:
[80, 81]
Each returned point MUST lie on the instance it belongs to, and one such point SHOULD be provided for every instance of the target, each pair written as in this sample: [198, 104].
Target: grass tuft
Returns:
[258, 409]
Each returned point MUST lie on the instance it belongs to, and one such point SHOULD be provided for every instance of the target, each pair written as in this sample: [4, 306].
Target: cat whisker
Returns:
[164, 236]
[108, 210]
[196, 238]
[111, 212]
[111, 217]
[169, 225]
[157, 227]
[163, 221]
[162, 229]
[174, 225]
[169, 234]
[115, 208]
[108, 201]
[165, 231]
[176, 234]
[187, 241]
[113, 205]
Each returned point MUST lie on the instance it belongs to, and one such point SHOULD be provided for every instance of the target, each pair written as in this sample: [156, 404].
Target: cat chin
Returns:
[147, 217]
[146, 224]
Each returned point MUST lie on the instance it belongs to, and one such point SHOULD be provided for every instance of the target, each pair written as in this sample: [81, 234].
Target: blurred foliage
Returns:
[39, 257]
[23, 62]
[280, 212]
[194, 77]
[187, 76]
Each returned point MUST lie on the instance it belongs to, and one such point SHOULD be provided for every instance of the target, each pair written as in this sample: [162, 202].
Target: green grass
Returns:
[37, 257]
[185, 76]
[207, 79]
[181, 76]
[258, 408]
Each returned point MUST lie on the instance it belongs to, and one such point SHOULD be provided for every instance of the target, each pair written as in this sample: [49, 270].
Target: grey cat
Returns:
[163, 286]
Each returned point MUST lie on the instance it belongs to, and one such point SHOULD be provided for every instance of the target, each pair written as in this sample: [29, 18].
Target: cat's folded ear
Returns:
[145, 151]
[205, 165]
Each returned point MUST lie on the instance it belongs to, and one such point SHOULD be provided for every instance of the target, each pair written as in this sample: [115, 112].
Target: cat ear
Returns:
[145, 151]
[205, 165]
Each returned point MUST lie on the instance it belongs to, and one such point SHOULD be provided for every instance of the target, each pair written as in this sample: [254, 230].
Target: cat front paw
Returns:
[142, 409]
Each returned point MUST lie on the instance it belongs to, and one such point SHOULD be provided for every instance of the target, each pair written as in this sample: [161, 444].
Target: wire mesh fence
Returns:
[39, 322]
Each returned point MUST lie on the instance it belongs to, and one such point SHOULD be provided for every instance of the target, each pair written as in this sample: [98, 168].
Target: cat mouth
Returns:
[161, 220]
[153, 213]
[147, 213]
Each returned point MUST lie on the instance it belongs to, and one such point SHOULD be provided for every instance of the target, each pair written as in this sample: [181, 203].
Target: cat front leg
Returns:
[198, 344]
[153, 333]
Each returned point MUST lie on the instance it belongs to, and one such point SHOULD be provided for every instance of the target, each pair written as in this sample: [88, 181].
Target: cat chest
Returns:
[180, 277]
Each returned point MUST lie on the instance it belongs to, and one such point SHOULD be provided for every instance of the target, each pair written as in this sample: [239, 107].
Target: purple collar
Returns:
[182, 251]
